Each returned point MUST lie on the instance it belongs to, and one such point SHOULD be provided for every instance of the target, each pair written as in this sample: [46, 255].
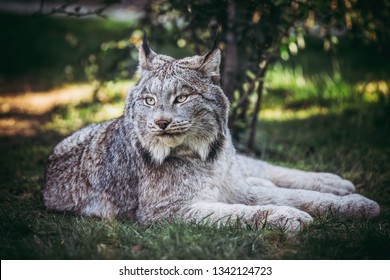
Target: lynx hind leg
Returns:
[288, 218]
[312, 202]
[293, 178]
[328, 183]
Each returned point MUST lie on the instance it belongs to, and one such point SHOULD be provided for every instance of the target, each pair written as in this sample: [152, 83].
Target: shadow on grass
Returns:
[354, 144]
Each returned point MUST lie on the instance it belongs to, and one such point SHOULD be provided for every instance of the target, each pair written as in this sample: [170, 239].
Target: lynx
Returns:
[170, 156]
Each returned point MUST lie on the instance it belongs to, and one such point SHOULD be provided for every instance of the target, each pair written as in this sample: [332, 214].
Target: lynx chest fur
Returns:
[171, 156]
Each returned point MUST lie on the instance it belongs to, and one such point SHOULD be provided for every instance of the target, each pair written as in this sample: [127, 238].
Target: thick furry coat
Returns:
[170, 156]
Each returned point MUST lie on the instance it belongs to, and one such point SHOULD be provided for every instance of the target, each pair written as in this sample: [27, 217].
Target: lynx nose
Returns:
[163, 124]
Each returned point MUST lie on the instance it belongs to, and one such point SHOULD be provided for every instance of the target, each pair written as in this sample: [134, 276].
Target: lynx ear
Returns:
[210, 65]
[145, 55]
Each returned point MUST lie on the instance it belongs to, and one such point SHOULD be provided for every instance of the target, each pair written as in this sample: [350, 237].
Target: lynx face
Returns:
[178, 106]
[171, 156]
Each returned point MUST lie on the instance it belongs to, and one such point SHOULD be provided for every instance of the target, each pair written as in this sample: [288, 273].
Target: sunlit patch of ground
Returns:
[12, 126]
[282, 114]
[23, 114]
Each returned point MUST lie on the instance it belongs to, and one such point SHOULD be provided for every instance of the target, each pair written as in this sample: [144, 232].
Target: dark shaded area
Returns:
[38, 50]
[352, 140]
[357, 62]
[354, 143]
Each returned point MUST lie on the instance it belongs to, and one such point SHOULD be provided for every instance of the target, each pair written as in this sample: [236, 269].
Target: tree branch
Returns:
[63, 9]
[260, 76]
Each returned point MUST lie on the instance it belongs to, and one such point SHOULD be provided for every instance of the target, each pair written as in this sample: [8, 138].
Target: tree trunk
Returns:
[231, 61]
[255, 117]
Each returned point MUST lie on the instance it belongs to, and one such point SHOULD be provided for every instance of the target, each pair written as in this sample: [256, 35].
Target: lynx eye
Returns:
[150, 101]
[181, 98]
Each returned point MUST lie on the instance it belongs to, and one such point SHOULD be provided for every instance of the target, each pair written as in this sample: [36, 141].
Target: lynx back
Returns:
[170, 155]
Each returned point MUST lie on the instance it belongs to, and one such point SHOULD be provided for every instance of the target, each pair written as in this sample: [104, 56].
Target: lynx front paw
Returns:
[288, 218]
[329, 183]
[356, 205]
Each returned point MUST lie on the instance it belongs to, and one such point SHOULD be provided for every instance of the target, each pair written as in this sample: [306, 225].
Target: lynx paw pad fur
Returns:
[331, 183]
[356, 206]
[288, 218]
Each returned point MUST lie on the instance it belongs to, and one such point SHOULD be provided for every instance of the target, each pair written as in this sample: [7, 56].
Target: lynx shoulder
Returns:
[170, 155]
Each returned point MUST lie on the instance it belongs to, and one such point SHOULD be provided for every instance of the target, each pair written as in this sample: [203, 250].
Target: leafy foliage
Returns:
[352, 142]
[318, 116]
[255, 33]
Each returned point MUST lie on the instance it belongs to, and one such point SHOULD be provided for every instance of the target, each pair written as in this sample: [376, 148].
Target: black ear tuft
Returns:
[145, 55]
[215, 46]
[145, 46]
[216, 40]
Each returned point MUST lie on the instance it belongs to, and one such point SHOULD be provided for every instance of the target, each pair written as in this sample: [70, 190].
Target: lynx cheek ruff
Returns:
[170, 155]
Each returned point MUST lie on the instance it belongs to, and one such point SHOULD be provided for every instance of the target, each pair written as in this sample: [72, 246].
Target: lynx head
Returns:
[178, 106]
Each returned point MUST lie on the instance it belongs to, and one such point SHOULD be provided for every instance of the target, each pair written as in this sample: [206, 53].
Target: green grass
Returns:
[353, 142]
[300, 127]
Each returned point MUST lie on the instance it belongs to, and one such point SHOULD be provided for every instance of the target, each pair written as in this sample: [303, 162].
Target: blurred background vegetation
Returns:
[295, 54]
[308, 82]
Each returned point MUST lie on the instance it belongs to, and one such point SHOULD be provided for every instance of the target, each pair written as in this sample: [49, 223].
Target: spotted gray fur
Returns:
[170, 156]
